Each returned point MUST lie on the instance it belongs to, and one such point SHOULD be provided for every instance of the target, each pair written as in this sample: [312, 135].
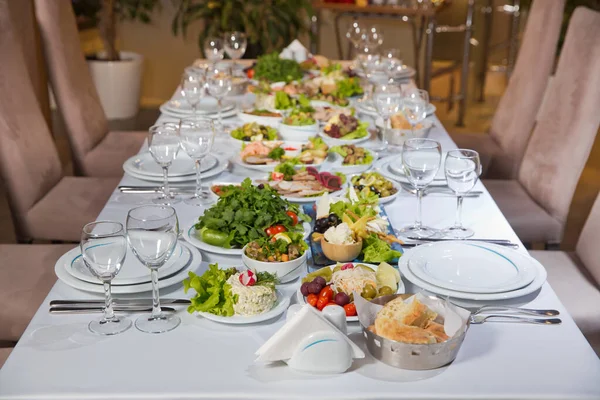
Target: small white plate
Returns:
[144, 164]
[470, 267]
[178, 115]
[279, 308]
[401, 288]
[338, 165]
[220, 167]
[383, 200]
[207, 105]
[189, 234]
[339, 142]
[133, 271]
[68, 279]
[383, 167]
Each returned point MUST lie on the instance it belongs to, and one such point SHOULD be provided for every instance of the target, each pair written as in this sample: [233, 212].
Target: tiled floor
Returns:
[478, 119]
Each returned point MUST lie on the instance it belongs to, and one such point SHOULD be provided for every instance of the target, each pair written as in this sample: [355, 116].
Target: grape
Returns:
[341, 299]
[304, 289]
[320, 280]
[314, 287]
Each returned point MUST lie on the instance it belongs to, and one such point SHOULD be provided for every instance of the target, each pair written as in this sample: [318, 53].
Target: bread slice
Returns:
[438, 331]
[414, 313]
[394, 330]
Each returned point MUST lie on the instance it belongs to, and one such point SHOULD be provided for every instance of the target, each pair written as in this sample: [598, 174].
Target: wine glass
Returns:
[163, 143]
[414, 106]
[462, 168]
[373, 38]
[391, 61]
[152, 232]
[369, 64]
[192, 87]
[235, 46]
[218, 83]
[197, 137]
[388, 100]
[214, 49]
[103, 248]
[421, 161]
[355, 34]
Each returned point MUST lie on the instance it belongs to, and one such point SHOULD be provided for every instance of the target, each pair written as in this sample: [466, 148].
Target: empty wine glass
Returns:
[388, 100]
[152, 232]
[235, 46]
[462, 168]
[218, 83]
[369, 63]
[103, 248]
[373, 38]
[414, 106]
[163, 143]
[421, 161]
[355, 34]
[391, 61]
[192, 87]
[214, 49]
[197, 137]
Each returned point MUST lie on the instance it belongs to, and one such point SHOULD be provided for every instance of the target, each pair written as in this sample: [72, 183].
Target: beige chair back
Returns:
[72, 83]
[587, 246]
[29, 162]
[515, 116]
[563, 137]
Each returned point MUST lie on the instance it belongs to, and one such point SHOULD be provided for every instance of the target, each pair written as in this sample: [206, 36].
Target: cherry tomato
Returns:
[312, 299]
[293, 216]
[250, 73]
[326, 293]
[321, 303]
[275, 229]
[350, 310]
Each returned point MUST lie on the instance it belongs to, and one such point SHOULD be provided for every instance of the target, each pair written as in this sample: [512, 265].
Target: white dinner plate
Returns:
[207, 105]
[279, 308]
[383, 167]
[368, 108]
[133, 271]
[471, 267]
[396, 167]
[68, 279]
[144, 164]
[178, 115]
[297, 150]
[189, 234]
[538, 281]
[337, 193]
[401, 288]
[221, 166]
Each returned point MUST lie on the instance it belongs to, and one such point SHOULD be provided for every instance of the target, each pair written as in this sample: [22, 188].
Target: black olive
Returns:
[246, 139]
[360, 187]
[333, 219]
[374, 190]
[261, 186]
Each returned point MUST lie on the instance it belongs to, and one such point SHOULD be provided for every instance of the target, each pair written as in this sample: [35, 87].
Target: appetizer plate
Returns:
[207, 105]
[401, 288]
[538, 281]
[388, 199]
[221, 166]
[144, 164]
[133, 271]
[470, 267]
[337, 193]
[268, 121]
[340, 142]
[279, 308]
[322, 103]
[189, 234]
[176, 279]
[351, 169]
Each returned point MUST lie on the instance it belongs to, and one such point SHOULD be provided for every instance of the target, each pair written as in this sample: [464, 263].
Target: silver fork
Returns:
[530, 311]
[480, 319]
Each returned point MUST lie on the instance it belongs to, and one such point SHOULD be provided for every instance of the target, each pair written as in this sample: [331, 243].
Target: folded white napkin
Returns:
[295, 51]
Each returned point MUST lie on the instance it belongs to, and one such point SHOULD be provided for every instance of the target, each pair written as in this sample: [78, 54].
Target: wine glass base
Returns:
[110, 326]
[417, 231]
[458, 232]
[166, 201]
[162, 323]
[203, 200]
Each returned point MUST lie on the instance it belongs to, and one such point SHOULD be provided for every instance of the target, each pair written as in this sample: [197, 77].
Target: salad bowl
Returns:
[339, 142]
[299, 133]
[397, 137]
[247, 117]
[281, 269]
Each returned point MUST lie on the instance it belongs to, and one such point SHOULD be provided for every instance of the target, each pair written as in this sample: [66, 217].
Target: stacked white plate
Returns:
[391, 167]
[368, 108]
[207, 107]
[472, 271]
[142, 166]
[133, 277]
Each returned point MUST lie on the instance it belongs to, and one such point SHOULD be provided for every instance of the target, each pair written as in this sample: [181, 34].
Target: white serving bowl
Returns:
[298, 133]
[354, 169]
[268, 121]
[340, 142]
[397, 137]
[279, 268]
[322, 103]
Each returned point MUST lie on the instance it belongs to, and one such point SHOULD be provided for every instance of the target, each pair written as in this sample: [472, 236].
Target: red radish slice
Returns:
[248, 278]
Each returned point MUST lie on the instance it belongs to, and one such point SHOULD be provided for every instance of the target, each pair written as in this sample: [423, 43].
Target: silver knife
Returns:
[426, 241]
[496, 241]
[118, 302]
[85, 310]
[156, 189]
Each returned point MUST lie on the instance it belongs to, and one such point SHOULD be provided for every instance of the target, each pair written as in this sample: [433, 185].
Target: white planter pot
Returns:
[118, 84]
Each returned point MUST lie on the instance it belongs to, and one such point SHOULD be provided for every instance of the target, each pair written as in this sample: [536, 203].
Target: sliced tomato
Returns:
[293, 216]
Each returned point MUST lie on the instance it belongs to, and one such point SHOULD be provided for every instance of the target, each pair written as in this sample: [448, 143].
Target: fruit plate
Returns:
[319, 259]
[401, 288]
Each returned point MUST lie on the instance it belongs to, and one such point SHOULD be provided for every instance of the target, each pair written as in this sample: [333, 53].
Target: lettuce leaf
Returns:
[376, 250]
[213, 293]
[360, 132]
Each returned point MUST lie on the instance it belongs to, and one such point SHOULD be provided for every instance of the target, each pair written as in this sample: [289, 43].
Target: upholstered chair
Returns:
[537, 203]
[575, 277]
[26, 277]
[44, 204]
[96, 150]
[502, 149]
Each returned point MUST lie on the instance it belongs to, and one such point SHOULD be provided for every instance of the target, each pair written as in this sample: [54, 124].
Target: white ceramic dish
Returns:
[144, 164]
[298, 133]
[401, 288]
[178, 115]
[470, 267]
[133, 271]
[280, 306]
[351, 169]
[269, 121]
[207, 105]
[189, 234]
[297, 146]
[337, 193]
[278, 268]
[538, 281]
[220, 167]
[339, 142]
[388, 199]
[397, 137]
[68, 279]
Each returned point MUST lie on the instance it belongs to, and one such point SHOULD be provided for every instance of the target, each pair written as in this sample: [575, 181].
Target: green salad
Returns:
[274, 69]
[346, 127]
[373, 183]
[298, 117]
[353, 155]
[282, 247]
[253, 131]
[347, 88]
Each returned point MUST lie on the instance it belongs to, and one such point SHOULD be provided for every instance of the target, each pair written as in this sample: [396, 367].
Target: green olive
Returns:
[369, 292]
[385, 290]
[337, 268]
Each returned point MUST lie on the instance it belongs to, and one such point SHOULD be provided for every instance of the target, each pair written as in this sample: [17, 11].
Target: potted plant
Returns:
[117, 74]
[270, 25]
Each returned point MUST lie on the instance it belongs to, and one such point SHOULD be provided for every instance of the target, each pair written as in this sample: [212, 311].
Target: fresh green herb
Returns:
[213, 293]
[274, 69]
[331, 68]
[283, 101]
[266, 279]
[342, 177]
[376, 250]
[276, 153]
[287, 169]
[347, 87]
[360, 132]
[361, 209]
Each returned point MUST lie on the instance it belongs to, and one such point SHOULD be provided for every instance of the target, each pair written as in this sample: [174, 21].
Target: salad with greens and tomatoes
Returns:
[280, 246]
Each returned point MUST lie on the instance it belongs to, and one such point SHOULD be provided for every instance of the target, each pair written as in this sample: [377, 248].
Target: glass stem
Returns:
[194, 106]
[198, 163]
[418, 223]
[166, 190]
[458, 221]
[384, 142]
[156, 311]
[109, 313]
[219, 102]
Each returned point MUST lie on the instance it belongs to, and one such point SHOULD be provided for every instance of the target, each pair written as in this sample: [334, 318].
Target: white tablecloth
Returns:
[58, 357]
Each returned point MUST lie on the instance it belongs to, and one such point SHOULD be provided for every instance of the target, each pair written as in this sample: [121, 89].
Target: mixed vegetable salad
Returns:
[369, 183]
[253, 131]
[280, 247]
[346, 127]
[353, 155]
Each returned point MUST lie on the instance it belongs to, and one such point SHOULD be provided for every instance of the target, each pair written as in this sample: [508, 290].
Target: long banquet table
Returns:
[58, 358]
